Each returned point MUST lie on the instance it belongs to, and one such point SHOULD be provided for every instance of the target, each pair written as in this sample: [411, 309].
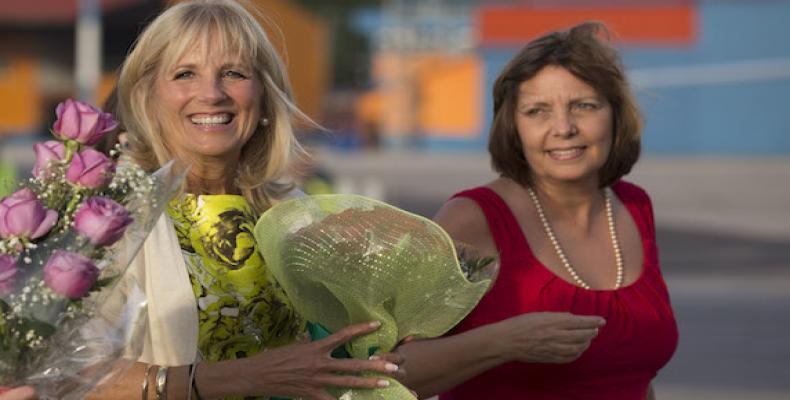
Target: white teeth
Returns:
[212, 120]
[566, 153]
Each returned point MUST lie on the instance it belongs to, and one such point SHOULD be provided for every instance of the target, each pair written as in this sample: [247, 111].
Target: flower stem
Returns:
[72, 146]
[75, 199]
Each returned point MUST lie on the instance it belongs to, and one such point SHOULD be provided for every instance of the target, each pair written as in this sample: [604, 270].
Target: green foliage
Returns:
[7, 178]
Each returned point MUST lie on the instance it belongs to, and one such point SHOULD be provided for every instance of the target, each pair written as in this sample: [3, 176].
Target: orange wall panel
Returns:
[432, 93]
[306, 51]
[669, 25]
[450, 96]
[19, 96]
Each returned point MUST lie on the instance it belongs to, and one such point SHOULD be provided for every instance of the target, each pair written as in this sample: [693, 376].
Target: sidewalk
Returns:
[740, 196]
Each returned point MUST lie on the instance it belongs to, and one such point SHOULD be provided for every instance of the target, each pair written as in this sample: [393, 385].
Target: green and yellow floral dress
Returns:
[241, 308]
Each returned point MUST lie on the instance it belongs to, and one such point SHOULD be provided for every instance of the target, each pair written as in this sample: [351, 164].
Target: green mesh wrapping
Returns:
[345, 259]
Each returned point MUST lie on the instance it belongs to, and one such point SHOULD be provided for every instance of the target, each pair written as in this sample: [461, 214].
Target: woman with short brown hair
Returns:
[579, 309]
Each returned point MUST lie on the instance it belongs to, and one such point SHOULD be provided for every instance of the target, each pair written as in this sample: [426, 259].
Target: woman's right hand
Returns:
[548, 337]
[306, 370]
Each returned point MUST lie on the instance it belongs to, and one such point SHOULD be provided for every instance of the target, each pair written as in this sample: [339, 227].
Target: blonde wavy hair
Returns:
[231, 29]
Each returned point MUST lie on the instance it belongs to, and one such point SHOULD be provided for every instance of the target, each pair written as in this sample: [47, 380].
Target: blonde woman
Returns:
[204, 86]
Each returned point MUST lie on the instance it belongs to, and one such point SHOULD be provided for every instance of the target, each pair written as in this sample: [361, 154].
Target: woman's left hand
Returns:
[397, 358]
[19, 393]
[394, 358]
[304, 370]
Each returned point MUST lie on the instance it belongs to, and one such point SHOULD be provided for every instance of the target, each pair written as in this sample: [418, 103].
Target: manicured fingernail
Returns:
[374, 358]
[390, 367]
[375, 324]
[382, 383]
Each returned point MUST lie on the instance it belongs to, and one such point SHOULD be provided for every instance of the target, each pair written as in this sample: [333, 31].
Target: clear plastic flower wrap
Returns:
[66, 238]
[345, 259]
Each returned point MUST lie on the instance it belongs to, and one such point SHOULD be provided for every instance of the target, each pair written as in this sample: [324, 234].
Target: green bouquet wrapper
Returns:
[346, 259]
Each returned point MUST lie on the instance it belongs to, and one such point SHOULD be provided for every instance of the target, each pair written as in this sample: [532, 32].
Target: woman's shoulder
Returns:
[464, 219]
[460, 212]
[630, 192]
[636, 197]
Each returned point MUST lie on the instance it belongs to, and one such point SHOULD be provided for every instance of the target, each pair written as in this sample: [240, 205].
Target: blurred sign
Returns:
[426, 26]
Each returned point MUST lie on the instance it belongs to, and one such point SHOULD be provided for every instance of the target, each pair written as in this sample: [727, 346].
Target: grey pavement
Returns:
[748, 197]
[724, 239]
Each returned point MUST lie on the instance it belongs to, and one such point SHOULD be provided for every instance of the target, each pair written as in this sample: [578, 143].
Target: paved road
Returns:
[732, 302]
[731, 292]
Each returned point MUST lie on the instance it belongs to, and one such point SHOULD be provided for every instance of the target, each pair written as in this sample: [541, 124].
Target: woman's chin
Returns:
[571, 176]
[214, 153]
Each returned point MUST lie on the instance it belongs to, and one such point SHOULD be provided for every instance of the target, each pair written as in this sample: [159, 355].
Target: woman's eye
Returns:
[183, 74]
[586, 106]
[534, 112]
[235, 75]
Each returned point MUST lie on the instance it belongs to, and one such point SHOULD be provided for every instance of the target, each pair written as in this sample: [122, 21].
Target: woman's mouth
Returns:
[566, 154]
[211, 120]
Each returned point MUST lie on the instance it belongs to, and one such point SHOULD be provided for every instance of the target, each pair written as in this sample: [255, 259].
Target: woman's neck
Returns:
[212, 178]
[574, 202]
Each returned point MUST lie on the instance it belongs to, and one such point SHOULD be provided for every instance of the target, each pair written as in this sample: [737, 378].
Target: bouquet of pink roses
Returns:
[65, 239]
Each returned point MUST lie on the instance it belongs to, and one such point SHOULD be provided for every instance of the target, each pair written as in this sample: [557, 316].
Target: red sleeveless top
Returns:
[638, 339]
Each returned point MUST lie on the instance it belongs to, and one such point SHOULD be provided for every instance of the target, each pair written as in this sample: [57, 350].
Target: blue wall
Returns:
[743, 115]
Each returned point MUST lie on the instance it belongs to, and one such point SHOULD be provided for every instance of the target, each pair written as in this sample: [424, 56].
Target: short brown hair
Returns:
[583, 53]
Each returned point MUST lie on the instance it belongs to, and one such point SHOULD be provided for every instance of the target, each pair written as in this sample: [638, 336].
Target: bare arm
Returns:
[430, 362]
[300, 370]
[436, 365]
[433, 366]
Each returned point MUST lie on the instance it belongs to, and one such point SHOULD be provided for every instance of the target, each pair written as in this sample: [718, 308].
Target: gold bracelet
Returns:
[145, 382]
[161, 383]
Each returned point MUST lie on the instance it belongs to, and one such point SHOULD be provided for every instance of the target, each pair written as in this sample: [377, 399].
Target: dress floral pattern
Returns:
[241, 308]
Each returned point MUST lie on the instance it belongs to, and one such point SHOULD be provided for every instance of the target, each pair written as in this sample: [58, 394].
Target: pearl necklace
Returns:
[612, 233]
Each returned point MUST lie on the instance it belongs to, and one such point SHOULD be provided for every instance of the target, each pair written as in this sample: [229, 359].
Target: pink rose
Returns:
[23, 216]
[8, 272]
[47, 153]
[101, 220]
[82, 122]
[90, 168]
[69, 274]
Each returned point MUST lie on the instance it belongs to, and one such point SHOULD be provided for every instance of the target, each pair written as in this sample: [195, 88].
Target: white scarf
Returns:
[172, 334]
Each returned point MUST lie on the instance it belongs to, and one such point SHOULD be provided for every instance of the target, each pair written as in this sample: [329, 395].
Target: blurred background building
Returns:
[697, 67]
[38, 54]
[417, 74]
[403, 87]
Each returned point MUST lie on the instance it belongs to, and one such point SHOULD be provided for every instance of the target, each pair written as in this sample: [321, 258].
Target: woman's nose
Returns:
[211, 91]
[564, 124]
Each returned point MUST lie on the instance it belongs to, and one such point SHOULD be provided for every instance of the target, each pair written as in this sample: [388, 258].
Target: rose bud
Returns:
[69, 274]
[47, 153]
[90, 168]
[82, 122]
[23, 216]
[8, 272]
[101, 220]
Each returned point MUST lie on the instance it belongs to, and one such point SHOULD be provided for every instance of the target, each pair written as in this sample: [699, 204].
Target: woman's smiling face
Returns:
[565, 127]
[209, 104]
